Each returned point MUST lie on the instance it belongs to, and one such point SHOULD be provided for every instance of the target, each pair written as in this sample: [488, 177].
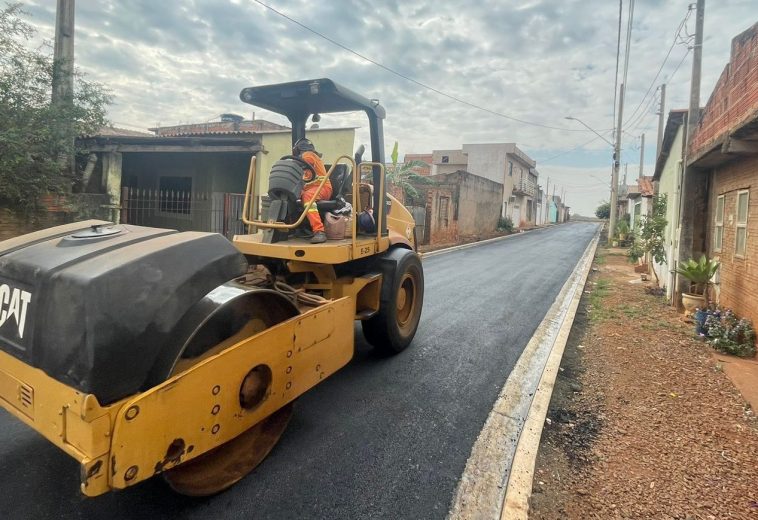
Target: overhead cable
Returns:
[408, 78]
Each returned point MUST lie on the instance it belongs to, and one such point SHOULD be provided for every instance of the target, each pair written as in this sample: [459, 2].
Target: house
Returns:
[721, 214]
[426, 158]
[448, 161]
[503, 163]
[668, 178]
[459, 205]
[192, 177]
[639, 200]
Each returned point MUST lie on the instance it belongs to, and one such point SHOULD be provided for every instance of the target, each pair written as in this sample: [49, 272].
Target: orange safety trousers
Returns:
[309, 191]
[313, 177]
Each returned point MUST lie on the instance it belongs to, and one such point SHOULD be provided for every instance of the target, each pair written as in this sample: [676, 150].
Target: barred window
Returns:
[740, 242]
[718, 233]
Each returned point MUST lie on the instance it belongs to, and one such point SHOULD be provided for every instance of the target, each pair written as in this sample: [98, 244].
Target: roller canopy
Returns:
[315, 96]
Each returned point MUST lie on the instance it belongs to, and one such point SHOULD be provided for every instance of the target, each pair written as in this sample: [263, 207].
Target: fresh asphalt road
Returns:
[382, 438]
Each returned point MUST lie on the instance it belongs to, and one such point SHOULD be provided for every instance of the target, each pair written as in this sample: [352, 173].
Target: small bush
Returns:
[729, 335]
[505, 224]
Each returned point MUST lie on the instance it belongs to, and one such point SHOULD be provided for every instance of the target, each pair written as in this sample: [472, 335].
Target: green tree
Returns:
[35, 133]
[649, 240]
[404, 176]
[603, 210]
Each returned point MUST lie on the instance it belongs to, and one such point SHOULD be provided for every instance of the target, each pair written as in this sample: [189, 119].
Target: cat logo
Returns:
[13, 304]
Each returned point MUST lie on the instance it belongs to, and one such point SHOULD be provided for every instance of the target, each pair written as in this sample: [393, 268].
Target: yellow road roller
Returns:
[142, 351]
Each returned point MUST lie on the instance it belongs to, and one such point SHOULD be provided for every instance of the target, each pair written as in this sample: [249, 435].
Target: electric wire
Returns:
[616, 77]
[412, 80]
[668, 54]
[566, 152]
[645, 113]
[670, 76]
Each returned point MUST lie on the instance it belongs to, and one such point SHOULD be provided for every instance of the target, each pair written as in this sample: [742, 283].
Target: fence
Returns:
[185, 211]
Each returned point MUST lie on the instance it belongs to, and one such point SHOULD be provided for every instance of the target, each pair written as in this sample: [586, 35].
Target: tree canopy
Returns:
[36, 135]
[405, 176]
[603, 210]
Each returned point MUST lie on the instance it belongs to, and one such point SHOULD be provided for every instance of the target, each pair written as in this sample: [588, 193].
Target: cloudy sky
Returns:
[178, 61]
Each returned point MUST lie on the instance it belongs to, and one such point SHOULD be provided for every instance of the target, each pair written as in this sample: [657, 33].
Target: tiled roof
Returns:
[646, 186]
[111, 131]
[218, 128]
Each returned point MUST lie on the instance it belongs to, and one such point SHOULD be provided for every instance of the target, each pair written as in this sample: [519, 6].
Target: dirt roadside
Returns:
[643, 423]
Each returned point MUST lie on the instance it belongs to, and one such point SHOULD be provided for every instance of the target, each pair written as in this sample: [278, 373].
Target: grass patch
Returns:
[629, 311]
[599, 292]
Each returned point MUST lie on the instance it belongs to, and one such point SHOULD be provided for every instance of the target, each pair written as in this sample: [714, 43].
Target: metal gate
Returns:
[215, 212]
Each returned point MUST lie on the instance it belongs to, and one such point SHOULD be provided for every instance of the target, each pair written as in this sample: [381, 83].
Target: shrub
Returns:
[603, 210]
[730, 335]
[505, 224]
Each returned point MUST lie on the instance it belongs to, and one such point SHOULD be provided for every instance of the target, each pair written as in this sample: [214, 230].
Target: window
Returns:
[718, 231]
[445, 159]
[510, 169]
[175, 195]
[443, 210]
[740, 242]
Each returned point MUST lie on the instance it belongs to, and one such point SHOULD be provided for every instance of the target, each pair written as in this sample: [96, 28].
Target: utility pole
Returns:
[642, 154]
[63, 54]
[693, 116]
[616, 158]
[661, 115]
[63, 79]
[689, 181]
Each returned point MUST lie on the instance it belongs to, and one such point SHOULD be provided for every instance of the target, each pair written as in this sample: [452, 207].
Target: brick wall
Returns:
[442, 231]
[55, 210]
[738, 277]
[735, 97]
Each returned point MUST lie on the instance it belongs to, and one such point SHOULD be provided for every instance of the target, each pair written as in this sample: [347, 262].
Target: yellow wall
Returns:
[331, 143]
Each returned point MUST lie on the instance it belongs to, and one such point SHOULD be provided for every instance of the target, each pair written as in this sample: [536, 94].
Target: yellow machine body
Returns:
[199, 406]
[189, 414]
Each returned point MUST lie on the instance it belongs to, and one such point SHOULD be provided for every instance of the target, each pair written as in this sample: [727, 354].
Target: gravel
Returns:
[643, 423]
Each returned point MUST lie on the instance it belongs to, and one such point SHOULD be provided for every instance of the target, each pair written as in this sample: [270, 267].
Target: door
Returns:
[516, 215]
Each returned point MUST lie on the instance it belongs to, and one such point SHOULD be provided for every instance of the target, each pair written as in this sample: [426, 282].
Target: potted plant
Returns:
[622, 229]
[699, 274]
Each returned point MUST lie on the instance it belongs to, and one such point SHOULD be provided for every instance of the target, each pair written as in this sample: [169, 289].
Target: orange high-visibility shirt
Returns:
[317, 166]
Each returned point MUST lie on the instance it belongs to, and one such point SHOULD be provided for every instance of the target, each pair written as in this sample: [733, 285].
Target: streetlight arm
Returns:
[588, 127]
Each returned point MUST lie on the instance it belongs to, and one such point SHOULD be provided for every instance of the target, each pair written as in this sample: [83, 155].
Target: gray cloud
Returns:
[187, 60]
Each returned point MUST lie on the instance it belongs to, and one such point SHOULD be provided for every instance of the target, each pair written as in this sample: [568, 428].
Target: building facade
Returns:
[723, 164]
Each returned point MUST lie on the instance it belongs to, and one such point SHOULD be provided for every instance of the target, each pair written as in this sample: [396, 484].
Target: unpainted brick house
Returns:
[724, 151]
[459, 205]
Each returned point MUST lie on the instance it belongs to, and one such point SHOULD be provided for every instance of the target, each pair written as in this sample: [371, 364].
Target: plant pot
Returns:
[690, 302]
[615, 243]
[700, 316]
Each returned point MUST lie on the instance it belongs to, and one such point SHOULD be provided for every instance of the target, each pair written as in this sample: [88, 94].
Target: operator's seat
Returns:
[341, 180]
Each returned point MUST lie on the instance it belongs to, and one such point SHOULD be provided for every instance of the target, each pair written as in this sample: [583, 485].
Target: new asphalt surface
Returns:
[382, 438]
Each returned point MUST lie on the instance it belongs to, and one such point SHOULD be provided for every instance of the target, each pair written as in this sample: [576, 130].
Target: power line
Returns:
[561, 154]
[628, 39]
[678, 65]
[642, 118]
[616, 77]
[644, 113]
[673, 44]
[408, 78]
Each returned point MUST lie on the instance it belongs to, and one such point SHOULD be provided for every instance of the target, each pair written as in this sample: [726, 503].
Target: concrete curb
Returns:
[516, 501]
[497, 480]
